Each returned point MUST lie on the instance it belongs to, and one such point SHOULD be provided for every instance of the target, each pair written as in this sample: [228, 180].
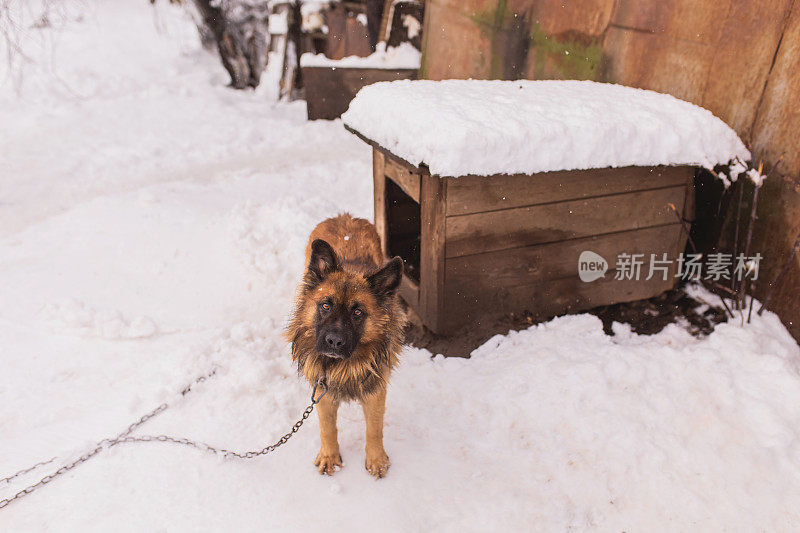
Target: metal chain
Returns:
[26, 470]
[125, 437]
[220, 451]
[125, 433]
[229, 453]
[100, 446]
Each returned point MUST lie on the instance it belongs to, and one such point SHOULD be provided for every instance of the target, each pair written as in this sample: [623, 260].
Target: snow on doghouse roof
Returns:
[461, 127]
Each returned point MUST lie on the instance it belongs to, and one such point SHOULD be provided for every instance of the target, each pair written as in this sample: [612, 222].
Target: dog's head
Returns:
[346, 307]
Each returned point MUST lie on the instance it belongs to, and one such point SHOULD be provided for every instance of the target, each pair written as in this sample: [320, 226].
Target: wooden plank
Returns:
[329, 90]
[379, 198]
[639, 59]
[409, 291]
[406, 179]
[579, 19]
[474, 194]
[455, 46]
[346, 35]
[544, 300]
[687, 20]
[524, 226]
[778, 114]
[421, 169]
[752, 33]
[383, 31]
[542, 262]
[482, 297]
[433, 213]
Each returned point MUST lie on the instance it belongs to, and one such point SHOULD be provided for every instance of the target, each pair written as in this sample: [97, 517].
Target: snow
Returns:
[278, 24]
[308, 7]
[412, 25]
[737, 168]
[755, 177]
[462, 127]
[403, 56]
[153, 230]
[731, 174]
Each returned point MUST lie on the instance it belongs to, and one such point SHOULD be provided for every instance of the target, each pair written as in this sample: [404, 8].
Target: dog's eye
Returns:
[326, 306]
[357, 312]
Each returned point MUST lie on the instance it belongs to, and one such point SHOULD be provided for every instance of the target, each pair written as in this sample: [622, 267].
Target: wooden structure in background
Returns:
[330, 90]
[479, 247]
[347, 36]
[393, 26]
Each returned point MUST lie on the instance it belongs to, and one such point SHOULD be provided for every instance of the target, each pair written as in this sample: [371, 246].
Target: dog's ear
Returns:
[385, 281]
[323, 260]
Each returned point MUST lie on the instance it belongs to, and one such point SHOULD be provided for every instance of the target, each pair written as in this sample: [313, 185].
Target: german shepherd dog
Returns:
[347, 330]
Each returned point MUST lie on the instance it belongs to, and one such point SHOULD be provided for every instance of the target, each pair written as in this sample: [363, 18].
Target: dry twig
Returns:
[686, 227]
[782, 273]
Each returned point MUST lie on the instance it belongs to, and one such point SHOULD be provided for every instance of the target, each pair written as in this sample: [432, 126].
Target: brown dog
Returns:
[347, 330]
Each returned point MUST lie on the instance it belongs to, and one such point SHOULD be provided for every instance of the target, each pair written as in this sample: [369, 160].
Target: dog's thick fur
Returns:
[347, 271]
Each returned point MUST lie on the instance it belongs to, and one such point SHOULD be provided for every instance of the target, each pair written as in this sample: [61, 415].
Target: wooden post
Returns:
[379, 196]
[433, 213]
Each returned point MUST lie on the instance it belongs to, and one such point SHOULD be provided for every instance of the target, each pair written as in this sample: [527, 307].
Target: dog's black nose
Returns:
[334, 341]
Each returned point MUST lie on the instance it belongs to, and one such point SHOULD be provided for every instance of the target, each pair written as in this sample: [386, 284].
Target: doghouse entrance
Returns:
[403, 220]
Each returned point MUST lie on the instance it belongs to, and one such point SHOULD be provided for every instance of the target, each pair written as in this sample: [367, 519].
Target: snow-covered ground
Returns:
[152, 225]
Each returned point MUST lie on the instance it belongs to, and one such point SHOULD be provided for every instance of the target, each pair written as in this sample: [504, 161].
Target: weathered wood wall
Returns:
[738, 58]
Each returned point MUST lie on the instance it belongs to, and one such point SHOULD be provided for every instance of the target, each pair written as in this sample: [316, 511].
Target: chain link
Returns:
[221, 451]
[26, 470]
[125, 437]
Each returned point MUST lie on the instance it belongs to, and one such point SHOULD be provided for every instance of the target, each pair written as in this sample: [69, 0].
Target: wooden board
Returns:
[640, 59]
[346, 35]
[379, 198]
[487, 295]
[407, 180]
[523, 266]
[421, 169]
[475, 194]
[433, 192]
[330, 90]
[524, 226]
[775, 126]
[544, 300]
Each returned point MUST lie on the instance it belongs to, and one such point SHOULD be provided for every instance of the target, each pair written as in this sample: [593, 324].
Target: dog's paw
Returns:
[377, 463]
[326, 463]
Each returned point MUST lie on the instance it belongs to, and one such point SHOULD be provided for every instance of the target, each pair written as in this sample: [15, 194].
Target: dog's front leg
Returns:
[377, 461]
[328, 458]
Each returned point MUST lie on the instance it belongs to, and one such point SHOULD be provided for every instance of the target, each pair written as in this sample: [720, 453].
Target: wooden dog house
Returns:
[481, 240]
[478, 247]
